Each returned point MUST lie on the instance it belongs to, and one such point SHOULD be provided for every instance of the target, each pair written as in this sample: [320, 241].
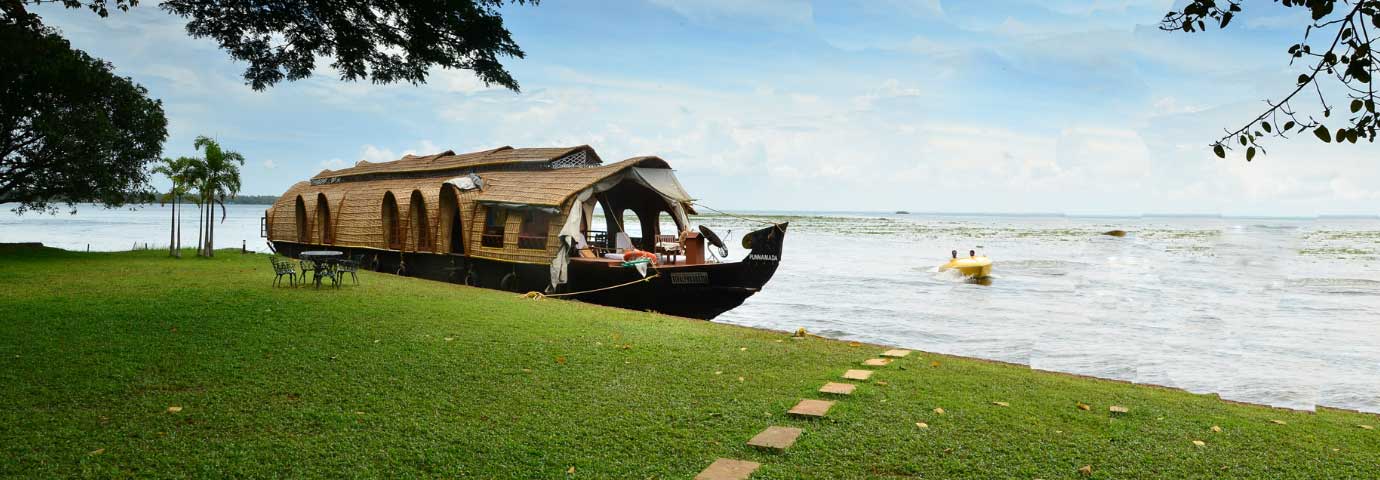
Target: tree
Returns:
[178, 171]
[70, 129]
[1347, 59]
[217, 177]
[385, 41]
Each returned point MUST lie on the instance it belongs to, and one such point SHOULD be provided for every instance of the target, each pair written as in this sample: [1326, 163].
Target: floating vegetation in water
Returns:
[1336, 251]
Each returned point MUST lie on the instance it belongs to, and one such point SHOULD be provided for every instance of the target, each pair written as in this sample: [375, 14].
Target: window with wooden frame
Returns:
[535, 226]
[494, 221]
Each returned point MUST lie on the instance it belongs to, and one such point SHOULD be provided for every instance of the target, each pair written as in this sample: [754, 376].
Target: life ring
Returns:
[509, 282]
[631, 255]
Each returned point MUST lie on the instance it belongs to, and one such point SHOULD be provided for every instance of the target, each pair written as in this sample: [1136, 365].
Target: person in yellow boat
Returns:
[973, 266]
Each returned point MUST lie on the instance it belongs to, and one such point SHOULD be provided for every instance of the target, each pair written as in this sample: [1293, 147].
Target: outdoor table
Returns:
[326, 258]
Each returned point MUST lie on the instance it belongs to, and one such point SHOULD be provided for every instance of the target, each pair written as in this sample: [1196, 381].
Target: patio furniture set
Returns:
[321, 264]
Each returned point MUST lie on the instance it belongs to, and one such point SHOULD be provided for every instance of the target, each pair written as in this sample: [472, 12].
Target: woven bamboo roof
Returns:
[449, 160]
[552, 187]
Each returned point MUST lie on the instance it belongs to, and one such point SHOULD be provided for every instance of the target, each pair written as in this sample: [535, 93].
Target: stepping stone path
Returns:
[857, 374]
[780, 438]
[728, 469]
[775, 438]
[836, 388]
[811, 408]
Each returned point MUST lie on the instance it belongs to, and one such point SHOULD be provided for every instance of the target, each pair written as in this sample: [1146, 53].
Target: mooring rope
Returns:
[534, 295]
[726, 214]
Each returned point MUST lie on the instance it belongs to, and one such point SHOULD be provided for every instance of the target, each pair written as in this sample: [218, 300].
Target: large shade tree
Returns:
[1336, 54]
[72, 131]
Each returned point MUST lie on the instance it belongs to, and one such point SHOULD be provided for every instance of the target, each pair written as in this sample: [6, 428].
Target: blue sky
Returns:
[924, 105]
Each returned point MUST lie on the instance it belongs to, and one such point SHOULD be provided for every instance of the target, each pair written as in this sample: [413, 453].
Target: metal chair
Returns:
[350, 266]
[281, 268]
[328, 270]
[307, 266]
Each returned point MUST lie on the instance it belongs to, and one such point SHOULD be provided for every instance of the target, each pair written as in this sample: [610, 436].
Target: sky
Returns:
[1019, 106]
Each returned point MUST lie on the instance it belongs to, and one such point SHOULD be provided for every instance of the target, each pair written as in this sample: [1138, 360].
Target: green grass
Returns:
[401, 377]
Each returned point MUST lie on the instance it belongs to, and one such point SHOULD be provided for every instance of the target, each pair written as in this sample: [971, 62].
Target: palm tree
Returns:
[176, 170]
[218, 175]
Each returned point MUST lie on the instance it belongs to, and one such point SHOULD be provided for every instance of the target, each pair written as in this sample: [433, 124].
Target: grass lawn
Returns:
[400, 377]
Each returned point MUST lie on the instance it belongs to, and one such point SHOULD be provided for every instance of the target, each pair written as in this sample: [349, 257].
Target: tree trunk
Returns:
[178, 240]
[172, 226]
[211, 233]
[200, 225]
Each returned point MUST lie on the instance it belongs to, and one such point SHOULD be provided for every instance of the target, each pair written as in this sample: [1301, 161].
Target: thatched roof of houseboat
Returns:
[449, 160]
[552, 187]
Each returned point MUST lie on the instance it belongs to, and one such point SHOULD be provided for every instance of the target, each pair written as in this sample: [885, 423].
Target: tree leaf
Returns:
[1323, 134]
[1356, 105]
[1200, 443]
[1266, 126]
[1250, 154]
[1289, 125]
[1221, 152]
[1303, 79]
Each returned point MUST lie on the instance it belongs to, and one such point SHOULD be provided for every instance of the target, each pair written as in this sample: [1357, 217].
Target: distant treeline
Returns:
[238, 200]
[253, 199]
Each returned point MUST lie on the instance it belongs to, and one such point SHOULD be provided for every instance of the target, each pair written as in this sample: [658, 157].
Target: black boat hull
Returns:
[697, 291]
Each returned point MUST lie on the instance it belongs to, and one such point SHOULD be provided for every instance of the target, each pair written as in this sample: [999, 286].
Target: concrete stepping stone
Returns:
[775, 438]
[811, 408]
[896, 353]
[857, 374]
[728, 469]
[838, 388]
[877, 362]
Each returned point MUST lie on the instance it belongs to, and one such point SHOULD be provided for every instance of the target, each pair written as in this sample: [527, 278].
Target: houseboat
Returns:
[522, 220]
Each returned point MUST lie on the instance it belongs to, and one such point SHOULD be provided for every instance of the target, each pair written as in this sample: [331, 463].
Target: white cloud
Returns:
[270, 164]
[334, 163]
[775, 13]
[374, 154]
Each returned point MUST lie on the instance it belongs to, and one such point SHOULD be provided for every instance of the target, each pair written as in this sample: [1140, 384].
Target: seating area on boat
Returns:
[596, 246]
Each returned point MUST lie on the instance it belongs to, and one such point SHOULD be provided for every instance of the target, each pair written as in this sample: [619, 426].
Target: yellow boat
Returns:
[974, 267]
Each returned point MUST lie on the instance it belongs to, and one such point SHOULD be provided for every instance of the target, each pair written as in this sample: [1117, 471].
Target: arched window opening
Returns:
[631, 234]
[421, 229]
[323, 220]
[300, 218]
[494, 221]
[392, 225]
[666, 225]
[452, 228]
[535, 228]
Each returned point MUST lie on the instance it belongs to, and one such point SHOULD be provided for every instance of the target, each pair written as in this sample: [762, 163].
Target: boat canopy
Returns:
[660, 180]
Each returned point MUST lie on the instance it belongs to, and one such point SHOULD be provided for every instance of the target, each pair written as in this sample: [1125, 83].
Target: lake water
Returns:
[1275, 311]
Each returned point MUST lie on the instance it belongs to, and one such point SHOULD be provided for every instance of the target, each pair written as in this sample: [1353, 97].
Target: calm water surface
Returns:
[1274, 311]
